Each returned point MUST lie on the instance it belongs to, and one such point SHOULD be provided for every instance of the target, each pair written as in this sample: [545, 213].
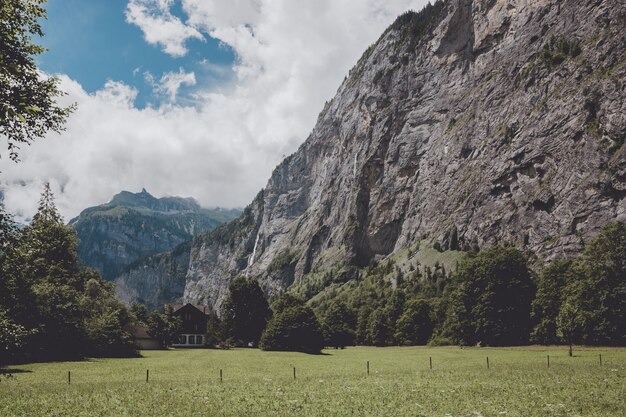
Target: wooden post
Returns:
[600, 359]
[548, 361]
[221, 380]
[431, 362]
[69, 377]
[487, 362]
[147, 375]
[368, 368]
[294, 373]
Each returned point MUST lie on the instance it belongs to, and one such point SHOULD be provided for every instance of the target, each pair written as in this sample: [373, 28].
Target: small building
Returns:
[194, 317]
[144, 341]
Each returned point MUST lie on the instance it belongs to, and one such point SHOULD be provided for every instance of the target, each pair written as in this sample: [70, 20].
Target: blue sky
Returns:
[91, 41]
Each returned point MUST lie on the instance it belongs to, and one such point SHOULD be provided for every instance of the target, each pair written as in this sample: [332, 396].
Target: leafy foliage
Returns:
[293, 327]
[245, 311]
[28, 107]
[164, 326]
[491, 298]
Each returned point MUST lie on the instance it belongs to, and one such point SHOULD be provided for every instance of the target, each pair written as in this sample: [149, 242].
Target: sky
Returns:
[195, 98]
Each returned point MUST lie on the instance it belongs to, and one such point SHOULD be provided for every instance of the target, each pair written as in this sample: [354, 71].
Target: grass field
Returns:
[256, 383]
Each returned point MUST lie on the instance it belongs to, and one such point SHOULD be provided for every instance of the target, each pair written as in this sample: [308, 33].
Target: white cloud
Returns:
[291, 58]
[171, 82]
[160, 26]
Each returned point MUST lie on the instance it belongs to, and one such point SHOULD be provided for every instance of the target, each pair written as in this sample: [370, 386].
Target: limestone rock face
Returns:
[155, 280]
[470, 124]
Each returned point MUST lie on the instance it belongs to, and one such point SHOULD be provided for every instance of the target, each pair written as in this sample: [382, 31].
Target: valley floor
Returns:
[255, 383]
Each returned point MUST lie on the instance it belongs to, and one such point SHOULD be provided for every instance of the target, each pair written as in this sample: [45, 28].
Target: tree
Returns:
[245, 311]
[378, 328]
[214, 330]
[107, 322]
[491, 298]
[414, 327]
[548, 300]
[568, 322]
[28, 108]
[70, 312]
[12, 338]
[140, 313]
[293, 327]
[43, 271]
[598, 288]
[393, 310]
[338, 325]
[164, 327]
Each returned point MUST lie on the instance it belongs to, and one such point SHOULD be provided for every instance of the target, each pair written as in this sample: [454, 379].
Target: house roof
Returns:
[141, 333]
[175, 307]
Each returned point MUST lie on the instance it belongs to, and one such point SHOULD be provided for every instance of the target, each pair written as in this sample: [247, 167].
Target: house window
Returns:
[192, 340]
[198, 340]
[183, 340]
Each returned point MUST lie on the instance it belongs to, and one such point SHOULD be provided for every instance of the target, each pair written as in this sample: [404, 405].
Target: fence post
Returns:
[221, 379]
[487, 362]
[69, 377]
[368, 368]
[600, 359]
[294, 373]
[548, 361]
[431, 362]
[147, 375]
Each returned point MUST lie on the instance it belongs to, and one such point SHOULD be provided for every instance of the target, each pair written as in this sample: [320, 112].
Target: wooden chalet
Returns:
[194, 317]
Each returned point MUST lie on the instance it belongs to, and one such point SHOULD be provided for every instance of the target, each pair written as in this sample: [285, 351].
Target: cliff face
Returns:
[468, 124]
[135, 225]
[155, 280]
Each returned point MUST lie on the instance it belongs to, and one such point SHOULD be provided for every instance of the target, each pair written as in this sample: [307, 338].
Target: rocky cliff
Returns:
[135, 225]
[155, 280]
[468, 124]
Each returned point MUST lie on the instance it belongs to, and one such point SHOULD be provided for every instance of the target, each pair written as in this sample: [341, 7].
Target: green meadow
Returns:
[518, 382]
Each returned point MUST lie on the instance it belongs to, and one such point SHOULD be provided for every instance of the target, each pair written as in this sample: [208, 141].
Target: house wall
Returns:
[184, 340]
[148, 344]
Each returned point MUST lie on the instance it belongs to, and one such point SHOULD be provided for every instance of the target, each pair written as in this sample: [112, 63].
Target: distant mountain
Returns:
[136, 225]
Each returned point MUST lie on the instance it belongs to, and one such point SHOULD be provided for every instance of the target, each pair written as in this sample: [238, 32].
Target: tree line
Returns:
[493, 298]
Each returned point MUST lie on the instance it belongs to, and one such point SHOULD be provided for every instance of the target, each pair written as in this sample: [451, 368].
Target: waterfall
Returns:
[256, 243]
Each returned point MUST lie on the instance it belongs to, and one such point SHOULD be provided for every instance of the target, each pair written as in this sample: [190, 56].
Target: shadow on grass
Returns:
[11, 371]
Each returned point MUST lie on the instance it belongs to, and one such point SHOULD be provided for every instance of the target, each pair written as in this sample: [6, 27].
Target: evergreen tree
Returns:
[378, 328]
[69, 311]
[338, 325]
[393, 310]
[245, 311]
